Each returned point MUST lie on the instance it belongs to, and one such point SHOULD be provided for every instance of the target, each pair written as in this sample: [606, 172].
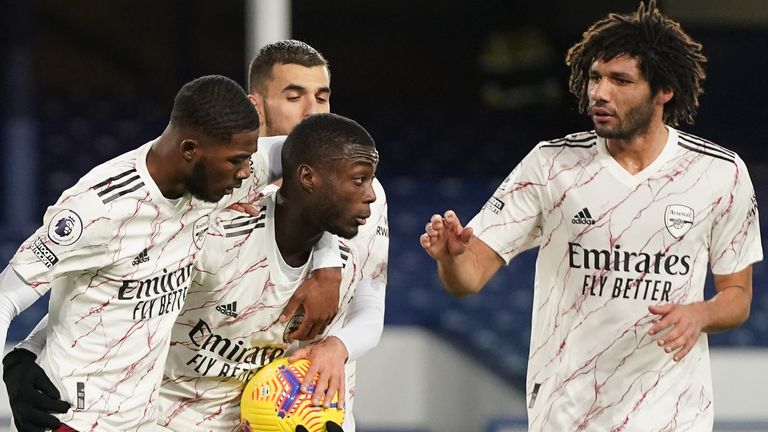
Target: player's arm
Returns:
[347, 341]
[735, 244]
[464, 262]
[728, 309]
[35, 340]
[318, 295]
[327, 357]
[509, 223]
[364, 322]
[15, 297]
[31, 394]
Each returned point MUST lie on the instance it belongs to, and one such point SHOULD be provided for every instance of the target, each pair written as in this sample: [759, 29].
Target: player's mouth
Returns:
[229, 190]
[361, 219]
[600, 114]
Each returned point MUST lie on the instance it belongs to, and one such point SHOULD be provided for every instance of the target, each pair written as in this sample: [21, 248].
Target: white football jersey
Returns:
[118, 257]
[372, 242]
[229, 327]
[610, 245]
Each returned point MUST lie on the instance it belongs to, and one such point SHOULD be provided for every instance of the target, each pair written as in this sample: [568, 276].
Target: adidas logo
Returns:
[583, 218]
[140, 258]
[228, 309]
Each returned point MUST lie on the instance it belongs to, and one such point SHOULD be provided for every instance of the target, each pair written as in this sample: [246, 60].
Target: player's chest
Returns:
[245, 307]
[150, 245]
[657, 212]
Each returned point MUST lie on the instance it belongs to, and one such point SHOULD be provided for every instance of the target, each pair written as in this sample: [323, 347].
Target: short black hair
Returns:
[319, 137]
[215, 106]
[667, 57]
[289, 51]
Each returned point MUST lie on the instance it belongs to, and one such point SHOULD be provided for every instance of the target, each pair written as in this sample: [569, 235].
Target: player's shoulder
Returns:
[348, 252]
[380, 205]
[235, 226]
[578, 142]
[725, 157]
[377, 186]
[95, 194]
[115, 179]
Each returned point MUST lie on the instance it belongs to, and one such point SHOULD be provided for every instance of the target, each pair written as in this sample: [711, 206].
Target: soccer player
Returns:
[289, 80]
[229, 327]
[626, 218]
[117, 251]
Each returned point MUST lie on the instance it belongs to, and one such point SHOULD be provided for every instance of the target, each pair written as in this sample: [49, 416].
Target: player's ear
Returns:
[301, 428]
[333, 427]
[307, 177]
[258, 102]
[188, 148]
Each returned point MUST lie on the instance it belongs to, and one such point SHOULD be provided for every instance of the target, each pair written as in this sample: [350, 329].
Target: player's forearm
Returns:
[35, 341]
[15, 297]
[362, 329]
[460, 274]
[728, 309]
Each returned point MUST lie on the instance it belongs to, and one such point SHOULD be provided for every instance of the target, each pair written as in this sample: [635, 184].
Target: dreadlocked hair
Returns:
[214, 105]
[667, 57]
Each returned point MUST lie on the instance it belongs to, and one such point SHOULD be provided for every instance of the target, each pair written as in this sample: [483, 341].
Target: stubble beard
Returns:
[269, 126]
[636, 122]
[197, 184]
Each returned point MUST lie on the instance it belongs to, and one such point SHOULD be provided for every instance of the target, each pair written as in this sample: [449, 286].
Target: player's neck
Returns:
[294, 236]
[640, 150]
[160, 159]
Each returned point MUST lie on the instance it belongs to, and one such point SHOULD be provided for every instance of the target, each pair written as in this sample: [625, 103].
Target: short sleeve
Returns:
[510, 222]
[736, 230]
[75, 237]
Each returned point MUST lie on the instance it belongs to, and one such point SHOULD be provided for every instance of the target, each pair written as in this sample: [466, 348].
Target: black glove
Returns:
[333, 427]
[329, 426]
[31, 394]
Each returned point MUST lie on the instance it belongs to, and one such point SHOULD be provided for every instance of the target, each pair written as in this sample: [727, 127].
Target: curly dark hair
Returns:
[667, 57]
[214, 105]
[289, 51]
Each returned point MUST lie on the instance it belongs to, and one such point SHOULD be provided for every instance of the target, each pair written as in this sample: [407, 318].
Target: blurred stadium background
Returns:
[454, 92]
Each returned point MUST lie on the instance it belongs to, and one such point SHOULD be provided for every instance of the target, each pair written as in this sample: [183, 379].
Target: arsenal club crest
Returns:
[678, 219]
[199, 230]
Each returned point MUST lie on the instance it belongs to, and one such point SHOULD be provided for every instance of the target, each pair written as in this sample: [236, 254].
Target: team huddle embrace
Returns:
[179, 270]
